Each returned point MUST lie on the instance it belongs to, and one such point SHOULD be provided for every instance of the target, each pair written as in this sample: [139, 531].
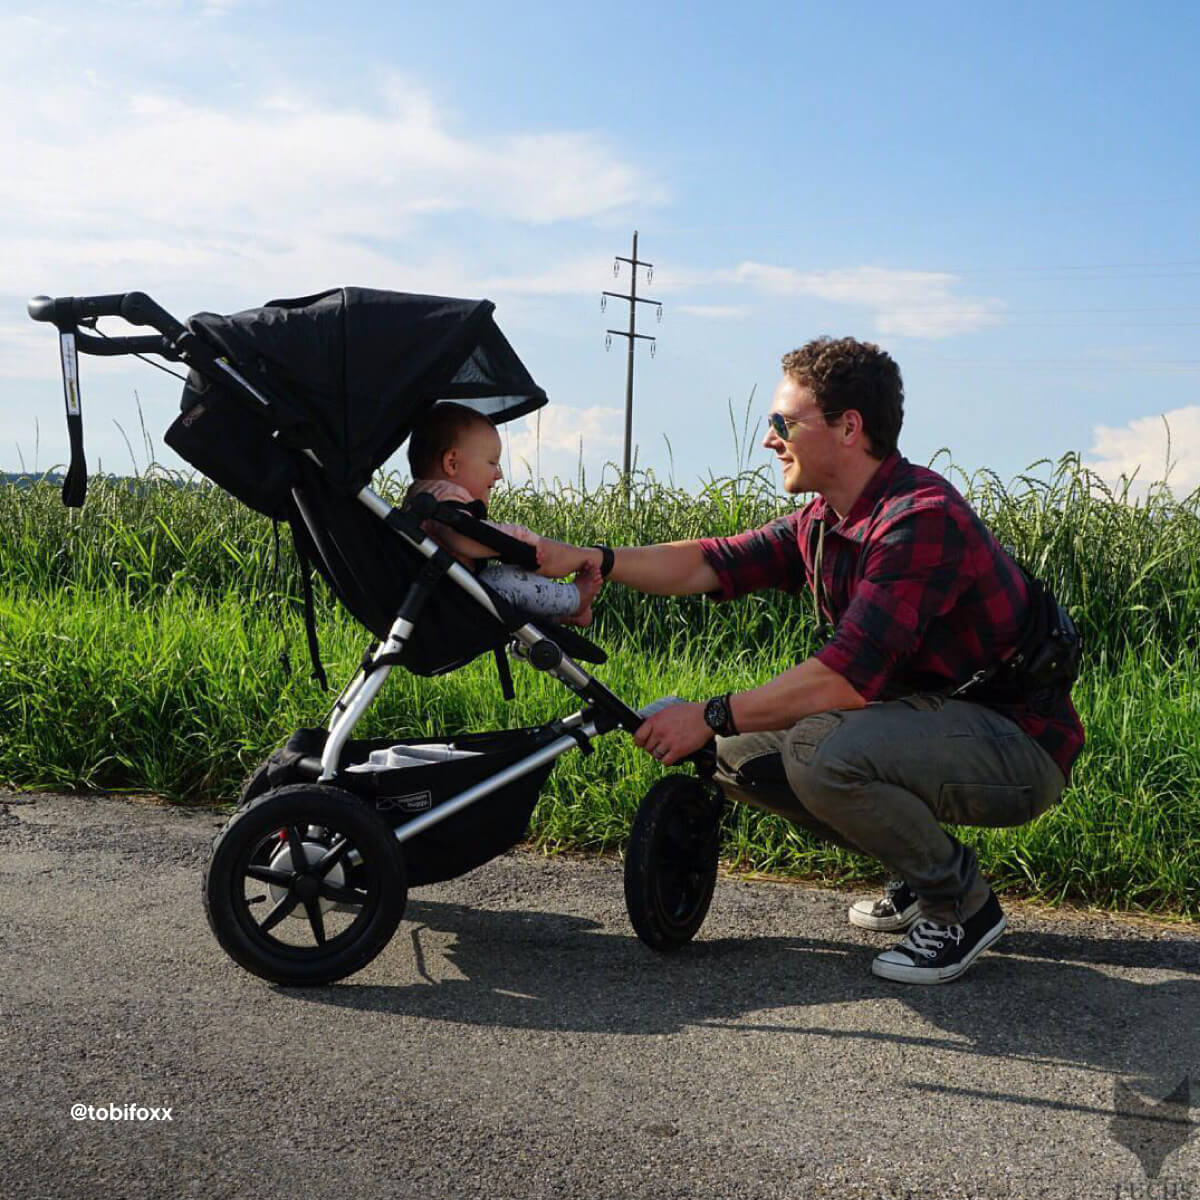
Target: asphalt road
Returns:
[516, 1040]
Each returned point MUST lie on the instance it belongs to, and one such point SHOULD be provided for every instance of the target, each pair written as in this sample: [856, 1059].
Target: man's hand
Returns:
[674, 733]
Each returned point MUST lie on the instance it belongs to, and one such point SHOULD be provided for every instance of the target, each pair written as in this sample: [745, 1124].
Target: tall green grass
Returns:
[140, 644]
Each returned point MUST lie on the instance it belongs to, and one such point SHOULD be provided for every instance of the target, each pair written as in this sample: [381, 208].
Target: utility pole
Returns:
[634, 300]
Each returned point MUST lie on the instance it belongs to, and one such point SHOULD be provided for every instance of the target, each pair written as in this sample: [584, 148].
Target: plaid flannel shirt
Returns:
[920, 593]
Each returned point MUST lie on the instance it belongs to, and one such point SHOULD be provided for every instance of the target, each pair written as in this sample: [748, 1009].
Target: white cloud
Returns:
[555, 440]
[228, 197]
[1158, 447]
[277, 164]
[919, 304]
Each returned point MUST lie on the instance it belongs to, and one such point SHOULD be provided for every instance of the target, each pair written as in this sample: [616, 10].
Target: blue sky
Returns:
[1004, 198]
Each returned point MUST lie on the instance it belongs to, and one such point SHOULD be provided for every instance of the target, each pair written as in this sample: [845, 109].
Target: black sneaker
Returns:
[896, 909]
[934, 953]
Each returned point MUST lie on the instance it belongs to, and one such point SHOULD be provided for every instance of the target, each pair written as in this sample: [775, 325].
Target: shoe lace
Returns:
[892, 888]
[928, 938]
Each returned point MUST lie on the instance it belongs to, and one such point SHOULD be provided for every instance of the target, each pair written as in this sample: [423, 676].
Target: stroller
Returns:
[291, 408]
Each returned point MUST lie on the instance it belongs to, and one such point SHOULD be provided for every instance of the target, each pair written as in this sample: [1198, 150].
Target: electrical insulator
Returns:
[603, 303]
[653, 349]
[659, 314]
[649, 274]
[616, 267]
[608, 341]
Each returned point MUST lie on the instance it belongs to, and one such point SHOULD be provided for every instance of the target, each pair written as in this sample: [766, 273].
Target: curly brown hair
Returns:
[844, 373]
[438, 431]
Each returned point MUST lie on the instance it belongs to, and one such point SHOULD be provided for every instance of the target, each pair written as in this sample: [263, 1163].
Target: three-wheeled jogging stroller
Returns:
[292, 407]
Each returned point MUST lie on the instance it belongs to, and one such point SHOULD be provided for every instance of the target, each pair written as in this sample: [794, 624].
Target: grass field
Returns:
[141, 642]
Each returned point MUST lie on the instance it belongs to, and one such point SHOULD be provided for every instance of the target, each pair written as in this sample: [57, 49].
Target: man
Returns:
[862, 743]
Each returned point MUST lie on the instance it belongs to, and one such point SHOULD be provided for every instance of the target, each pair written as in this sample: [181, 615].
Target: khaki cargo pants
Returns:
[879, 780]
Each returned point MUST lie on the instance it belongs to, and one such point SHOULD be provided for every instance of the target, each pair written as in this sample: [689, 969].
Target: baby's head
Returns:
[459, 444]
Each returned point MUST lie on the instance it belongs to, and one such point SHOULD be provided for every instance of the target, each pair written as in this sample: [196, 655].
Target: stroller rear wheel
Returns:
[306, 885]
[671, 863]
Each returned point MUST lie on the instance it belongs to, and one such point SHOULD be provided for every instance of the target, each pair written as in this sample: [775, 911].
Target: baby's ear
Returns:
[450, 462]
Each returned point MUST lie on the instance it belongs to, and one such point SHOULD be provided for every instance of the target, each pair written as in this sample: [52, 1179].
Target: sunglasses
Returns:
[781, 426]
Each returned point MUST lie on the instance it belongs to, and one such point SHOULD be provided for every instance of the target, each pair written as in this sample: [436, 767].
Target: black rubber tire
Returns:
[380, 879]
[671, 862]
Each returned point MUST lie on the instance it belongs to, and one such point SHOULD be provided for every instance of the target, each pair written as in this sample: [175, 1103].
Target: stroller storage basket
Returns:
[400, 786]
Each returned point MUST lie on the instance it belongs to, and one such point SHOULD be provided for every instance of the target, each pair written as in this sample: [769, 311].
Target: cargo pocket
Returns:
[806, 736]
[996, 804]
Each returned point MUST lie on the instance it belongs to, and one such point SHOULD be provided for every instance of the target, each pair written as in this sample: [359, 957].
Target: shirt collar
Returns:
[853, 525]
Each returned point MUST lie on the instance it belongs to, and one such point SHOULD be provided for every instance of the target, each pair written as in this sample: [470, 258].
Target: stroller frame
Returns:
[677, 822]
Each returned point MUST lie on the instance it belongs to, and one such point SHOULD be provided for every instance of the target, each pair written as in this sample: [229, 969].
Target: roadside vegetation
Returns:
[153, 642]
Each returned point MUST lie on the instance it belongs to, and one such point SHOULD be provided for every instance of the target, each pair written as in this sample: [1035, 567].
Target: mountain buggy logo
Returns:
[414, 802]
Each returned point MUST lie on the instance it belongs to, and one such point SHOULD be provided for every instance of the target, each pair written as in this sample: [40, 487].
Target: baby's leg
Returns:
[541, 597]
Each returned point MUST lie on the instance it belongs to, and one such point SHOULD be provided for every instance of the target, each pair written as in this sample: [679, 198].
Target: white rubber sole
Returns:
[863, 918]
[900, 970]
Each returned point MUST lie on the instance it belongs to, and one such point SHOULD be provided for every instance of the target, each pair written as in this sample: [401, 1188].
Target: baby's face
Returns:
[477, 461]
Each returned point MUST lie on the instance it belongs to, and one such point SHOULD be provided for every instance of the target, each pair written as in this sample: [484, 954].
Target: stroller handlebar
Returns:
[68, 312]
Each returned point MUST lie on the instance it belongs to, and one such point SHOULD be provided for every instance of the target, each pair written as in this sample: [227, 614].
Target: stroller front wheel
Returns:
[306, 885]
[671, 862]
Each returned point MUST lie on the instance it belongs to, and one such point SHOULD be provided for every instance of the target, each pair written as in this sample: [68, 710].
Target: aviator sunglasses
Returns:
[782, 426]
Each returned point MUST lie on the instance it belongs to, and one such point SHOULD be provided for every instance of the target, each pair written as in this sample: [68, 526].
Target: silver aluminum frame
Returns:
[356, 697]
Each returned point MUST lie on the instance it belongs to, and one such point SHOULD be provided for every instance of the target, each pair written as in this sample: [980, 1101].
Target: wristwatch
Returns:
[606, 559]
[718, 716]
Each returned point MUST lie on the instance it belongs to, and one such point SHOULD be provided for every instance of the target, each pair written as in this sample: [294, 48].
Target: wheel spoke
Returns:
[331, 857]
[343, 895]
[296, 846]
[281, 910]
[270, 875]
[316, 920]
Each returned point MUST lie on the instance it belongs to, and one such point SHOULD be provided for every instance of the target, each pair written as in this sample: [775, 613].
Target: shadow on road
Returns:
[1043, 996]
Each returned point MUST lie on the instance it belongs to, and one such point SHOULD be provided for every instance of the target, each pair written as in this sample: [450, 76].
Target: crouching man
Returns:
[863, 743]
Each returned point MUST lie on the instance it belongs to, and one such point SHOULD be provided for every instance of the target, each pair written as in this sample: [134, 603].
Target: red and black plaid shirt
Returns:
[921, 594]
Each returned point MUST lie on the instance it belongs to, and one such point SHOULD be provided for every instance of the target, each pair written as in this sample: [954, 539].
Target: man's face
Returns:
[807, 455]
[476, 461]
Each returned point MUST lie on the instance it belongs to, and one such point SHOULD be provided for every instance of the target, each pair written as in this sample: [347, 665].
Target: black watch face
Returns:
[716, 714]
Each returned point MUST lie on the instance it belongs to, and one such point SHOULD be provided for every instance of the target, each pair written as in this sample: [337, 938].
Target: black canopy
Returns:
[351, 370]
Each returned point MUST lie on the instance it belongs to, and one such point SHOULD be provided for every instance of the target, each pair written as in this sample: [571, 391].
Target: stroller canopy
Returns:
[351, 370]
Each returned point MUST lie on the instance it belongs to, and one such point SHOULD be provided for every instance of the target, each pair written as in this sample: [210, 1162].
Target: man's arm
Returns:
[667, 569]
[807, 688]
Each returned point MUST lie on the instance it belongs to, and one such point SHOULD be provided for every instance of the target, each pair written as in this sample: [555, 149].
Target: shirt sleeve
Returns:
[913, 572]
[759, 558]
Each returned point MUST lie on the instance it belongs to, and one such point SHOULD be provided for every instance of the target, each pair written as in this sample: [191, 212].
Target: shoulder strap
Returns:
[820, 605]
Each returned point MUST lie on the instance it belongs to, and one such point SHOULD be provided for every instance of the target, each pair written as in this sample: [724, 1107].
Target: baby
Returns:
[454, 454]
